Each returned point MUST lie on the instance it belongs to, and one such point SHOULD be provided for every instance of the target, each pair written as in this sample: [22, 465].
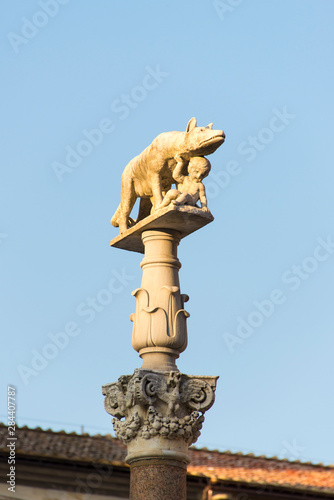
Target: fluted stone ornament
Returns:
[159, 324]
[160, 412]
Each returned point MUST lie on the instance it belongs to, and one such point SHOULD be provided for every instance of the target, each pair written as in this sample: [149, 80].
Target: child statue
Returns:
[190, 188]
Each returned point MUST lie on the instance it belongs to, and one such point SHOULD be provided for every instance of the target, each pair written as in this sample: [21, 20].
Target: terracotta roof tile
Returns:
[72, 446]
[218, 466]
[261, 470]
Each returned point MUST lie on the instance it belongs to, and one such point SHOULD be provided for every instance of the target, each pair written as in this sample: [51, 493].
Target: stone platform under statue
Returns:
[183, 219]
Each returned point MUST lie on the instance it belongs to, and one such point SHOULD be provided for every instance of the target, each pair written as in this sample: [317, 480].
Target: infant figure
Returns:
[190, 188]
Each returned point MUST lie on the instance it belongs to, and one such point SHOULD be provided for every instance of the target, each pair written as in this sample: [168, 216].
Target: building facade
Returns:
[59, 466]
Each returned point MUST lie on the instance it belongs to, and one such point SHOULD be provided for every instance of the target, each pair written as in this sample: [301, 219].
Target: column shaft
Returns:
[160, 331]
[157, 480]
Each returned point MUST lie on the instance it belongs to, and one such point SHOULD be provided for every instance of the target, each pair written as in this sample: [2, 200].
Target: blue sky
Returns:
[260, 278]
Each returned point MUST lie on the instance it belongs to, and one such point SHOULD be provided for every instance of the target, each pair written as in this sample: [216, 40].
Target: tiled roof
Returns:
[261, 471]
[225, 467]
[61, 445]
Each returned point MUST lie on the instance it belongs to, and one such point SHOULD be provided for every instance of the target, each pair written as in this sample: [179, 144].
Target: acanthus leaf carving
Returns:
[162, 323]
[165, 404]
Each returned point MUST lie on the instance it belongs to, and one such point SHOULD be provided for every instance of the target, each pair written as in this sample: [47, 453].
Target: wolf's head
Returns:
[200, 141]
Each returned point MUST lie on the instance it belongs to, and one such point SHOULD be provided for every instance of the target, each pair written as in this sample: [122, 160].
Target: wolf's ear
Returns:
[209, 126]
[191, 124]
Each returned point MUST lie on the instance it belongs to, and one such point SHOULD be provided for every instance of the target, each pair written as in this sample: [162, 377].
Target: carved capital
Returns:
[152, 404]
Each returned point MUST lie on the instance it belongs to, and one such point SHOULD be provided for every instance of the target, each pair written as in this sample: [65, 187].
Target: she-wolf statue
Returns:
[150, 174]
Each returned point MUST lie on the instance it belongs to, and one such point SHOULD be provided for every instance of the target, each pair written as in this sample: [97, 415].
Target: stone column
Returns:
[158, 415]
[154, 479]
[158, 411]
[160, 330]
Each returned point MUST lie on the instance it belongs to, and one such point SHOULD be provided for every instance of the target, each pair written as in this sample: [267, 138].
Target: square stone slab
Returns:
[183, 219]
